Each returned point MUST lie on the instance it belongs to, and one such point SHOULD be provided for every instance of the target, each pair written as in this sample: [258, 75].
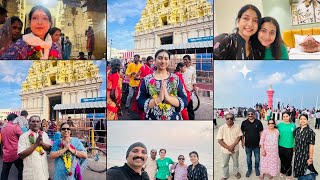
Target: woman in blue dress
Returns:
[37, 44]
[63, 149]
[162, 95]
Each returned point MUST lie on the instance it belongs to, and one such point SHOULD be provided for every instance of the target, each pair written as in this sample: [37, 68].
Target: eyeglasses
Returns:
[271, 123]
[229, 118]
[64, 129]
[180, 158]
[250, 114]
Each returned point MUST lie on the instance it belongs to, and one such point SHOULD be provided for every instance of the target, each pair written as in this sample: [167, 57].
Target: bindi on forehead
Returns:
[39, 13]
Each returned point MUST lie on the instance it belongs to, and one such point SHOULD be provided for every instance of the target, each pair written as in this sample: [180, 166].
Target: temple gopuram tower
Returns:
[58, 82]
[172, 22]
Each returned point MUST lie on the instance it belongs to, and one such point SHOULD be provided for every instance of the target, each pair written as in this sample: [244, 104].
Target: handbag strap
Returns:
[175, 167]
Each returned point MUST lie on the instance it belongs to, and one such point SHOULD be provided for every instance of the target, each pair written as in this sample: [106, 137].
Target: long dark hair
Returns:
[278, 42]
[115, 66]
[244, 9]
[257, 48]
[179, 66]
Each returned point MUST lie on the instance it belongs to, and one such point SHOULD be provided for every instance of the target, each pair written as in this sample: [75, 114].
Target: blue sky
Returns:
[293, 82]
[13, 73]
[122, 17]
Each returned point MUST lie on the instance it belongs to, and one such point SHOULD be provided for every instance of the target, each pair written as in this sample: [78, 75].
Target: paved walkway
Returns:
[88, 174]
[242, 156]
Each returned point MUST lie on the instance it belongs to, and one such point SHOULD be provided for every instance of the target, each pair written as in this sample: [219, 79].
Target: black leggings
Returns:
[286, 155]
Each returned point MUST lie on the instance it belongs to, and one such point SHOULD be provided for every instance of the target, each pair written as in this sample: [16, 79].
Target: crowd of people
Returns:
[256, 37]
[140, 166]
[274, 148]
[26, 144]
[154, 92]
[40, 40]
[263, 112]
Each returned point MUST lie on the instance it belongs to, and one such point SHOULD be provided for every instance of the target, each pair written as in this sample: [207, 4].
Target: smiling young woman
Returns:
[239, 45]
[37, 44]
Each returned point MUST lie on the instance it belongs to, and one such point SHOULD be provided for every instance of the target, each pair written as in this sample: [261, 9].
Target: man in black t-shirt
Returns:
[252, 129]
[132, 170]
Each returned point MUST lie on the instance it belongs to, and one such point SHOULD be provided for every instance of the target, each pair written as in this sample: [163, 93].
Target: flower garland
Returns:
[153, 92]
[35, 53]
[67, 158]
[39, 148]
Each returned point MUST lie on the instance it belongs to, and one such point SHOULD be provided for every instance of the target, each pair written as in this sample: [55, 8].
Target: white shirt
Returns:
[190, 77]
[35, 166]
[151, 168]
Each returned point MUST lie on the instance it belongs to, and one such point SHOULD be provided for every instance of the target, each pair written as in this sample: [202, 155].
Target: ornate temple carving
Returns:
[159, 13]
[47, 73]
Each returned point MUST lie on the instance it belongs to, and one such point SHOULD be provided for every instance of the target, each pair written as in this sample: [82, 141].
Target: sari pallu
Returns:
[78, 165]
[114, 81]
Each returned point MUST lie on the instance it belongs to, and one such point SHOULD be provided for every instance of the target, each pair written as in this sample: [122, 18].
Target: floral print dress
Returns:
[21, 51]
[270, 163]
[150, 88]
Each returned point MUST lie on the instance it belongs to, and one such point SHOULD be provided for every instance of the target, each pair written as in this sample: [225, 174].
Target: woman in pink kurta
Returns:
[269, 163]
[180, 169]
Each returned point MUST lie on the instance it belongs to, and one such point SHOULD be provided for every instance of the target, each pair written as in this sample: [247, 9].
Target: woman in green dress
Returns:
[163, 163]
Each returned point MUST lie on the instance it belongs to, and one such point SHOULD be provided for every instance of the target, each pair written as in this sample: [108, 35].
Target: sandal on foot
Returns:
[238, 175]
[261, 176]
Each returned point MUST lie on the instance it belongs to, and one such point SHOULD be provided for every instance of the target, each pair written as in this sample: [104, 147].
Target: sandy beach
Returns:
[242, 156]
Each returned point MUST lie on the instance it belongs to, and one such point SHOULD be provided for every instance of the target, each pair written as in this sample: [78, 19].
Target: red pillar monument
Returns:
[270, 93]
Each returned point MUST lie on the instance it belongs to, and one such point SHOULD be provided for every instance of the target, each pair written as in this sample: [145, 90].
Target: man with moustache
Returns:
[229, 136]
[132, 170]
[151, 165]
[252, 129]
[35, 161]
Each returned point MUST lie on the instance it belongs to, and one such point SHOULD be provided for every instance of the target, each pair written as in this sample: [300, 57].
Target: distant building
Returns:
[58, 82]
[173, 25]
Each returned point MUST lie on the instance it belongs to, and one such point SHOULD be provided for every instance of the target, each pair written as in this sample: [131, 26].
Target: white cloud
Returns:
[308, 72]
[119, 12]
[274, 78]
[16, 78]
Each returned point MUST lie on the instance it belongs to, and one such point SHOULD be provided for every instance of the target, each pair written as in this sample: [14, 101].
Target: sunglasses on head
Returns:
[63, 129]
